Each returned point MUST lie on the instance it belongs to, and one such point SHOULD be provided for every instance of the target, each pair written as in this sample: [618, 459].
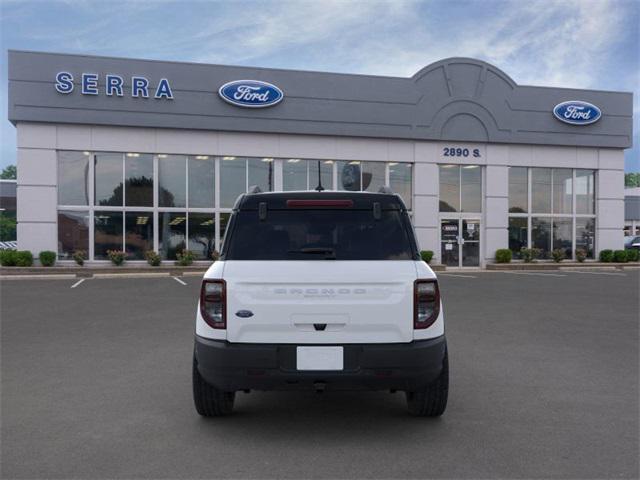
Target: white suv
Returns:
[320, 290]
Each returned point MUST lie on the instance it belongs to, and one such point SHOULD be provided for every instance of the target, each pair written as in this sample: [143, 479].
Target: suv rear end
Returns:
[320, 290]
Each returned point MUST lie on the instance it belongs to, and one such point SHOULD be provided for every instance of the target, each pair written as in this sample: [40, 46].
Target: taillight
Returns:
[426, 305]
[213, 299]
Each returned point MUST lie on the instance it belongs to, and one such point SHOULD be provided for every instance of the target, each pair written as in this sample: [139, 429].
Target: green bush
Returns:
[426, 255]
[153, 258]
[558, 255]
[503, 255]
[581, 254]
[79, 256]
[185, 258]
[620, 256]
[24, 258]
[8, 258]
[606, 256]
[528, 254]
[117, 257]
[47, 258]
[633, 255]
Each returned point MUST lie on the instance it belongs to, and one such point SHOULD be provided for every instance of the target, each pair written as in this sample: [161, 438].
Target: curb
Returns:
[561, 266]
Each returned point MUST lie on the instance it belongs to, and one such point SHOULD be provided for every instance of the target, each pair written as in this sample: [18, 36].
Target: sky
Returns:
[564, 43]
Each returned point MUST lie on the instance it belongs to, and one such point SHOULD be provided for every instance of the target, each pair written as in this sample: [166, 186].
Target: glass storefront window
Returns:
[261, 173]
[349, 175]
[471, 188]
[541, 190]
[562, 190]
[202, 178]
[73, 178]
[224, 221]
[326, 174]
[138, 237]
[202, 234]
[517, 235]
[518, 190]
[138, 173]
[294, 174]
[562, 235]
[541, 235]
[73, 233]
[172, 231]
[585, 192]
[449, 188]
[373, 176]
[108, 179]
[400, 179]
[172, 187]
[585, 235]
[233, 180]
[107, 233]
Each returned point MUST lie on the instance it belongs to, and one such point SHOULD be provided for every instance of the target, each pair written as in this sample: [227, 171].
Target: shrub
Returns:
[153, 258]
[8, 258]
[633, 255]
[426, 255]
[185, 258]
[503, 255]
[606, 256]
[215, 255]
[79, 256]
[620, 256]
[24, 258]
[47, 258]
[117, 257]
[581, 254]
[526, 254]
[558, 255]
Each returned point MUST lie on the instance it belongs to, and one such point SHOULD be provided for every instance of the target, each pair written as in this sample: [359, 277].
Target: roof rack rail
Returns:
[254, 189]
[386, 189]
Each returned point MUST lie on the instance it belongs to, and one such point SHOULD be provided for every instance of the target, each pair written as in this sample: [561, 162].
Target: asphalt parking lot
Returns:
[544, 384]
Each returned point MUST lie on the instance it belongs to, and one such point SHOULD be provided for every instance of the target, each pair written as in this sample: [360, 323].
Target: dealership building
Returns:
[138, 155]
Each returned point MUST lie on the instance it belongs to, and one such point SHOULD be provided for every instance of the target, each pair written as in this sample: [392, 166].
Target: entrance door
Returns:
[460, 242]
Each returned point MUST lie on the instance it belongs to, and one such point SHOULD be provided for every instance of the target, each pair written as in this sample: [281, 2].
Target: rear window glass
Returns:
[319, 235]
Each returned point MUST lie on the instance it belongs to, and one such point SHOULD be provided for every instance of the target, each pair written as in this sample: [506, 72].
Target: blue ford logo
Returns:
[244, 313]
[576, 112]
[250, 93]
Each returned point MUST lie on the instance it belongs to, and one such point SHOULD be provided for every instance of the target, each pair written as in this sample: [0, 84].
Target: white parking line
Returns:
[598, 273]
[538, 274]
[455, 275]
[178, 280]
[78, 283]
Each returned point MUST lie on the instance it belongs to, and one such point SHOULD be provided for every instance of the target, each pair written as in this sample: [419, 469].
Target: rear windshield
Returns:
[319, 235]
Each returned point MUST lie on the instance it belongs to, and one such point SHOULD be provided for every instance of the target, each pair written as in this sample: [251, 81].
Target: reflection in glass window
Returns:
[294, 174]
[202, 234]
[586, 234]
[349, 176]
[373, 176]
[233, 180]
[562, 235]
[73, 178]
[224, 220]
[201, 181]
[108, 179]
[261, 173]
[172, 188]
[541, 190]
[107, 233]
[541, 235]
[138, 237]
[471, 188]
[517, 235]
[400, 181]
[73, 233]
[172, 232]
[138, 173]
[449, 188]
[518, 190]
[326, 174]
[585, 191]
[562, 190]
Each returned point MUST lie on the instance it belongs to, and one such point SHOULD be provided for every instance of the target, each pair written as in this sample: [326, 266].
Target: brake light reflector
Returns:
[319, 203]
[213, 299]
[426, 305]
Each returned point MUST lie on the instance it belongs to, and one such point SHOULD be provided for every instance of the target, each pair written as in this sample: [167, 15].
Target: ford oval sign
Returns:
[577, 112]
[251, 93]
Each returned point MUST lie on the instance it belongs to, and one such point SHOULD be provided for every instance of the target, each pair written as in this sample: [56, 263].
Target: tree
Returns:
[9, 173]
[632, 180]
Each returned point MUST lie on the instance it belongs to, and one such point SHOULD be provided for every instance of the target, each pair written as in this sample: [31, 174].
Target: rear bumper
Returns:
[388, 366]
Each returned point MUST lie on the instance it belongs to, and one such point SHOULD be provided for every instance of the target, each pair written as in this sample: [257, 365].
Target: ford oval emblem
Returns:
[577, 112]
[251, 93]
[244, 313]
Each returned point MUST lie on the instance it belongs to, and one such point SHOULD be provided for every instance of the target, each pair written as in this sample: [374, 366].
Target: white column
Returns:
[496, 210]
[610, 200]
[425, 198]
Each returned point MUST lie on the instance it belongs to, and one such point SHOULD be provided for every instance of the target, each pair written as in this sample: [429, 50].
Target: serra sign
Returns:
[250, 93]
[113, 85]
[577, 112]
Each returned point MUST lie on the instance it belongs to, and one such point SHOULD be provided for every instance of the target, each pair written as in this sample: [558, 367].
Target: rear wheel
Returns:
[209, 401]
[432, 401]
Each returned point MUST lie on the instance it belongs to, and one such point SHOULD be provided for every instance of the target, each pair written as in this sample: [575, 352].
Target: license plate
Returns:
[320, 358]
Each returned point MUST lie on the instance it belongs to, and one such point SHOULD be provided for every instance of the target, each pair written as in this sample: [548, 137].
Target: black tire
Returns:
[209, 401]
[432, 401]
